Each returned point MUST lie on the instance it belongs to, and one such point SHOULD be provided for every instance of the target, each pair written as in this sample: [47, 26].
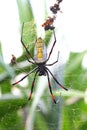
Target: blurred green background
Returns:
[17, 113]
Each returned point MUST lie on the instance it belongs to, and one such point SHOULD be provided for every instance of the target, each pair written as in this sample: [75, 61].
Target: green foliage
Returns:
[74, 114]
[25, 11]
[29, 35]
[75, 73]
[10, 104]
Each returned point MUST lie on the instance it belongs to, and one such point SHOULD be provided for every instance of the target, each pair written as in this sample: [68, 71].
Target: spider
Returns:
[13, 60]
[49, 23]
[56, 7]
[40, 59]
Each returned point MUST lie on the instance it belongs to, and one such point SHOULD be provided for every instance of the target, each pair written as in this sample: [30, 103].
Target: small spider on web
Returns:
[13, 60]
[55, 8]
[40, 60]
[48, 25]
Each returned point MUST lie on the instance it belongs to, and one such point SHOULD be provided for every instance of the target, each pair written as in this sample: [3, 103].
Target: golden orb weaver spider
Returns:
[40, 59]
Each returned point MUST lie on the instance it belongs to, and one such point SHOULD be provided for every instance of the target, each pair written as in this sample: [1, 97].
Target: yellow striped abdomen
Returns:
[39, 47]
[40, 51]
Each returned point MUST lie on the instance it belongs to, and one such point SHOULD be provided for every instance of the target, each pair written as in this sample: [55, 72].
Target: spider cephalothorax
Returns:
[41, 69]
[40, 60]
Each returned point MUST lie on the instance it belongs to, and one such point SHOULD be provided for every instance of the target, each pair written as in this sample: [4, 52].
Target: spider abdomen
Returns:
[40, 53]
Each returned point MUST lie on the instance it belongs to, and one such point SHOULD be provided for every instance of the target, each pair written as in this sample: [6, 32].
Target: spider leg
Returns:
[32, 85]
[24, 44]
[56, 80]
[53, 98]
[25, 76]
[52, 46]
[29, 60]
[54, 62]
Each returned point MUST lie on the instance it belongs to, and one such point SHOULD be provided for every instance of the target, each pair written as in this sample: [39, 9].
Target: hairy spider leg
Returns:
[32, 85]
[56, 80]
[54, 62]
[53, 98]
[52, 45]
[25, 76]
[25, 46]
